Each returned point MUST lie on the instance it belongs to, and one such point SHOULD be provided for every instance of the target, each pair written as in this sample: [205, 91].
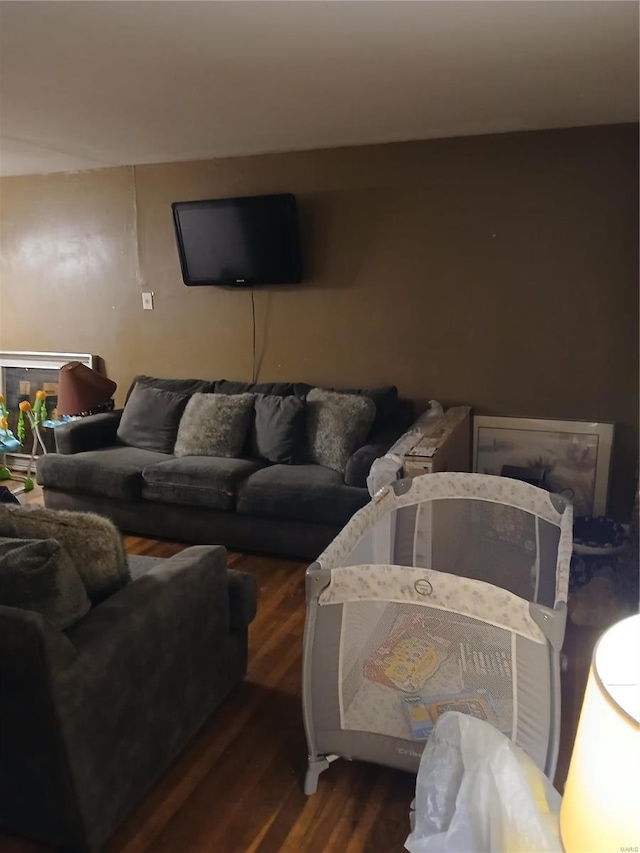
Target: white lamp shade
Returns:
[601, 804]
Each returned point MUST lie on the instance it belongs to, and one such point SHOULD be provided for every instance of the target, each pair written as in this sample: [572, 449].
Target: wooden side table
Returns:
[444, 445]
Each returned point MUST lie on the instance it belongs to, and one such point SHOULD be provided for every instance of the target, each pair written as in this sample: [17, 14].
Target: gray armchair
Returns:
[90, 717]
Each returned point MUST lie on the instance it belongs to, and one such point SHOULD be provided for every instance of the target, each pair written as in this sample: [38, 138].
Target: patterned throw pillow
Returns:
[92, 542]
[39, 575]
[337, 424]
[215, 425]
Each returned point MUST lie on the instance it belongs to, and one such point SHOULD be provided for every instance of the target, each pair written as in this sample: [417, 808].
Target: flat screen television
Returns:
[238, 241]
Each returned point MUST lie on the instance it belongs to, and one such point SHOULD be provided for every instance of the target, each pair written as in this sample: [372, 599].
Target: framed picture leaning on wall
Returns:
[575, 455]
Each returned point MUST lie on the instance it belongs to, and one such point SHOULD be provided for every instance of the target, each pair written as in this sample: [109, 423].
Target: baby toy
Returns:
[35, 415]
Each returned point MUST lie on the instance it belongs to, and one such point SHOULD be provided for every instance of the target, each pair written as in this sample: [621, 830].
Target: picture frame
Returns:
[575, 455]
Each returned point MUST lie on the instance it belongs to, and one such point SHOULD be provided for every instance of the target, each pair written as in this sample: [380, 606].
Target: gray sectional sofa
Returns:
[243, 503]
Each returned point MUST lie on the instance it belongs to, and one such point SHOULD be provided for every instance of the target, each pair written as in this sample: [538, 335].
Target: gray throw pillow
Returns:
[278, 428]
[92, 542]
[337, 424]
[150, 418]
[38, 574]
[215, 425]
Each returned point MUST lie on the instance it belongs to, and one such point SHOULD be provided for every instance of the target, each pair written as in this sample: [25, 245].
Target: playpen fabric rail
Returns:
[503, 491]
[403, 585]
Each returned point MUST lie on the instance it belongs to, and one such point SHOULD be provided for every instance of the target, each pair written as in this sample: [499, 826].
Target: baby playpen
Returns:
[446, 592]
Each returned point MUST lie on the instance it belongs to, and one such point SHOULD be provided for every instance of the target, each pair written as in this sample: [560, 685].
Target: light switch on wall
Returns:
[147, 301]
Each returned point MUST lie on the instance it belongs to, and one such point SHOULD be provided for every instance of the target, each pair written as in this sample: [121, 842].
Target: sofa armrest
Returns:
[243, 598]
[360, 463]
[90, 433]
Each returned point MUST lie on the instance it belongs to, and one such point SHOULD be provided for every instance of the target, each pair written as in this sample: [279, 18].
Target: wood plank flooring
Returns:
[238, 785]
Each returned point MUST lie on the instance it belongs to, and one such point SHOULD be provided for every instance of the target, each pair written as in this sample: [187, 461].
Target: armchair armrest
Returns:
[90, 433]
[360, 463]
[35, 787]
[180, 600]
[242, 598]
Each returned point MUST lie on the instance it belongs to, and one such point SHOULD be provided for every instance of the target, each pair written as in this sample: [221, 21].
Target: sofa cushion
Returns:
[39, 575]
[360, 462]
[215, 425]
[140, 564]
[278, 429]
[205, 481]
[112, 472]
[385, 400]
[92, 542]
[280, 389]
[337, 424]
[299, 493]
[177, 386]
[301, 389]
[385, 397]
[150, 418]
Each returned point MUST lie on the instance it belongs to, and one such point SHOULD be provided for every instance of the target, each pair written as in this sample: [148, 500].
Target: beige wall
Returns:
[500, 271]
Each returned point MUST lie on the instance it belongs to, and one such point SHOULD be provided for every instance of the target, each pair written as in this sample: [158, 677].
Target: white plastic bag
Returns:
[476, 791]
[388, 468]
[384, 471]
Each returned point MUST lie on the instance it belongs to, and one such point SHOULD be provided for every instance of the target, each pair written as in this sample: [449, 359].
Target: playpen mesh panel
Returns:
[503, 531]
[403, 665]
[496, 543]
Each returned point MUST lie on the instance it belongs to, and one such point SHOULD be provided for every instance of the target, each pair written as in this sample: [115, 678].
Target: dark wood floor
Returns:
[238, 786]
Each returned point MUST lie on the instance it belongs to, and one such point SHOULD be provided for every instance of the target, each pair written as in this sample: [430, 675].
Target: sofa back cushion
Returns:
[92, 542]
[150, 419]
[215, 425]
[39, 575]
[228, 386]
[178, 386]
[278, 430]
[337, 424]
[385, 400]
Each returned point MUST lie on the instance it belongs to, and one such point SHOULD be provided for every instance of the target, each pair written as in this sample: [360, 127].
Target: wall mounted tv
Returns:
[239, 241]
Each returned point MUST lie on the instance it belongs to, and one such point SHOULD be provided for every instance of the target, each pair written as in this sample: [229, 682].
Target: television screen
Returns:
[238, 241]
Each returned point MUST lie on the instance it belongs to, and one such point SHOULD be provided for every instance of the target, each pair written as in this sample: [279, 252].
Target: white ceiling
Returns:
[91, 84]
